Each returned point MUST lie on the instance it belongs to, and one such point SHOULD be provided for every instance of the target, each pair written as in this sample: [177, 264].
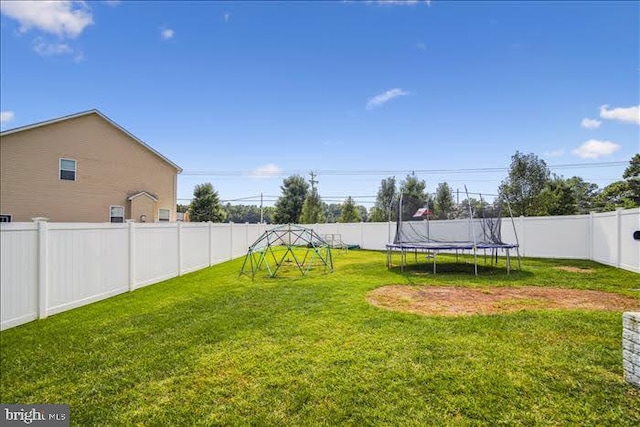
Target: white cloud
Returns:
[45, 48]
[267, 171]
[167, 33]
[593, 149]
[226, 17]
[627, 115]
[6, 117]
[62, 18]
[421, 46]
[555, 153]
[384, 97]
[590, 123]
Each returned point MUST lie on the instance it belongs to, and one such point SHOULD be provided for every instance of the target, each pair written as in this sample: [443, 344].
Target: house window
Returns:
[116, 214]
[68, 169]
[164, 215]
[5, 218]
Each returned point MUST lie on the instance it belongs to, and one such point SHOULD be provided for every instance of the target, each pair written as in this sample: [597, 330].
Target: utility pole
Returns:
[261, 211]
[313, 181]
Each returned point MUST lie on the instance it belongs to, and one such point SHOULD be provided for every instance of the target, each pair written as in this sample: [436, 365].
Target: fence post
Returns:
[591, 235]
[179, 248]
[210, 243]
[522, 235]
[362, 234]
[43, 273]
[230, 240]
[132, 256]
[618, 236]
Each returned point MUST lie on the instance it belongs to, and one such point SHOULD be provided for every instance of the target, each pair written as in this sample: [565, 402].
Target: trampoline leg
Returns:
[434, 261]
[475, 260]
[508, 262]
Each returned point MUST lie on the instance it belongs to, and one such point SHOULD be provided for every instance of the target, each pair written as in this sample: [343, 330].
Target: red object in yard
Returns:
[422, 212]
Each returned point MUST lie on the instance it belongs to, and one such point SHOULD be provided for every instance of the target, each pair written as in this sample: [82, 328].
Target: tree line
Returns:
[530, 188]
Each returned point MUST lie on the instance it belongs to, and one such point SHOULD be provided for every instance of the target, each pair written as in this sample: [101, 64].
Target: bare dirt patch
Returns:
[457, 301]
[574, 269]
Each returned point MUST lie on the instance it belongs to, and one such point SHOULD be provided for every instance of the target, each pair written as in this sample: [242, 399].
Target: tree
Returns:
[247, 213]
[383, 210]
[414, 196]
[528, 176]
[289, 205]
[622, 194]
[349, 211]
[364, 213]
[206, 205]
[182, 208]
[584, 192]
[557, 198]
[462, 210]
[312, 208]
[615, 195]
[443, 201]
[331, 212]
[632, 176]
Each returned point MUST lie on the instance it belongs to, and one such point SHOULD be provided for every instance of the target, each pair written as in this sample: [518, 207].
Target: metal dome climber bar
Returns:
[287, 244]
[465, 228]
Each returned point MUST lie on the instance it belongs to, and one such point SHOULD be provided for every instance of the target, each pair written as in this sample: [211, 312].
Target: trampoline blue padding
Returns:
[436, 246]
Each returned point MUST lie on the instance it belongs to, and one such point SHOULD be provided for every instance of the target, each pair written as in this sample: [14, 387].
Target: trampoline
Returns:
[469, 231]
[432, 249]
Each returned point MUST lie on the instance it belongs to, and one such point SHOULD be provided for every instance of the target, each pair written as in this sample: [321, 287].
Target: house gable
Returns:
[85, 113]
[110, 166]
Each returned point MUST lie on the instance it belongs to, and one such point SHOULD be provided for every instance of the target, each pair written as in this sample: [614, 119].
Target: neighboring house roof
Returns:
[86, 113]
[143, 193]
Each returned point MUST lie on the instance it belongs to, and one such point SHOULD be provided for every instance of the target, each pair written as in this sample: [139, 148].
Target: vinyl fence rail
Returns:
[48, 268]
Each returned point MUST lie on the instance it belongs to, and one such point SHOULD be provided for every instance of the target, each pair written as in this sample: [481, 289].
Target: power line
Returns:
[365, 172]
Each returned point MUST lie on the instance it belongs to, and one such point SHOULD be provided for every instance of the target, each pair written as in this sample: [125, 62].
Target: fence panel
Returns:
[629, 248]
[556, 237]
[220, 243]
[376, 235]
[18, 274]
[85, 263]
[239, 240]
[156, 253]
[351, 233]
[195, 246]
[604, 239]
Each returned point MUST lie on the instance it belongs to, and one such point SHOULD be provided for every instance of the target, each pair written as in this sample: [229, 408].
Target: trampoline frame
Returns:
[432, 249]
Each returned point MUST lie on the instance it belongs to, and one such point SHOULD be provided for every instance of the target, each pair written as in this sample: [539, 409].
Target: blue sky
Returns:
[244, 94]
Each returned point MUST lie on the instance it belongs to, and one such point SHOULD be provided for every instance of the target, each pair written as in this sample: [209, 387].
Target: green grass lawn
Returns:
[214, 348]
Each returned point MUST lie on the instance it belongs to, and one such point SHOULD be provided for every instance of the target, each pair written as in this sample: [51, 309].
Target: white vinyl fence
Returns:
[47, 268]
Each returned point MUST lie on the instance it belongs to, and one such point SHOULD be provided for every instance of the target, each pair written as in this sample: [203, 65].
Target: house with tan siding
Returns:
[83, 168]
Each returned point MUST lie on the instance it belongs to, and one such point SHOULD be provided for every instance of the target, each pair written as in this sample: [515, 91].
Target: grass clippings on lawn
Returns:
[571, 269]
[459, 301]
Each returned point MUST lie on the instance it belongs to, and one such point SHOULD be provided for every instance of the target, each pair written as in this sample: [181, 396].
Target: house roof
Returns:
[143, 193]
[99, 114]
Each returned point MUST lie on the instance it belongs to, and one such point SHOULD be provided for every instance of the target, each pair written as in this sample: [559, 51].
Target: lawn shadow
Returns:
[448, 267]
